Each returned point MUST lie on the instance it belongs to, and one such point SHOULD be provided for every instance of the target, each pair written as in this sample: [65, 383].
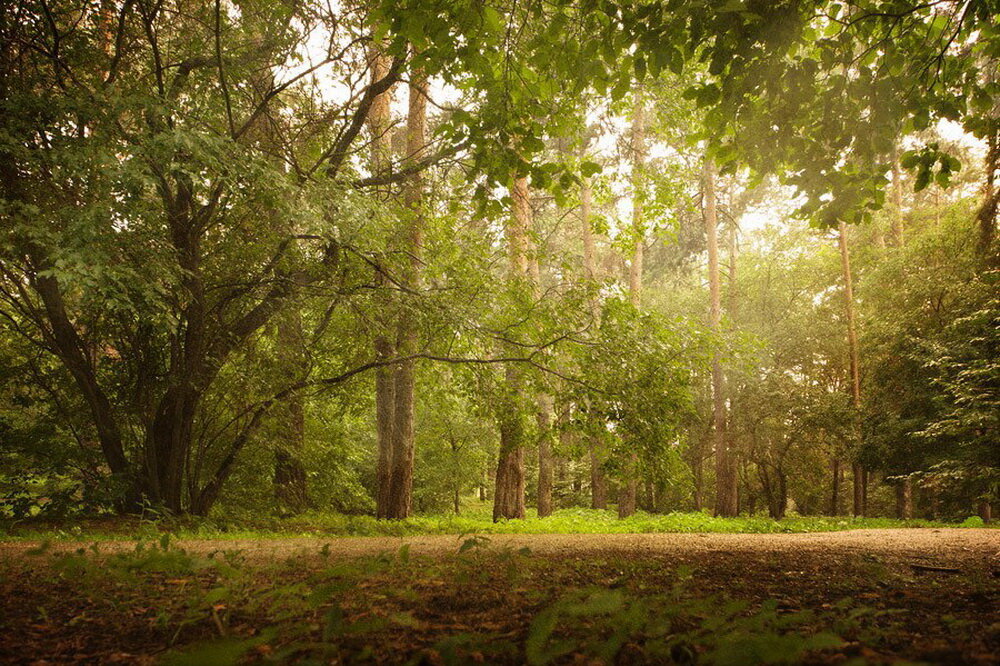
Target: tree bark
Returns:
[385, 403]
[598, 483]
[986, 511]
[543, 405]
[835, 498]
[858, 475]
[508, 500]
[630, 482]
[290, 489]
[725, 476]
[904, 499]
[400, 499]
[545, 468]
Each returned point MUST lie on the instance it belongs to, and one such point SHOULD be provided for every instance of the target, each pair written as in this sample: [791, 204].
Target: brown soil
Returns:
[930, 595]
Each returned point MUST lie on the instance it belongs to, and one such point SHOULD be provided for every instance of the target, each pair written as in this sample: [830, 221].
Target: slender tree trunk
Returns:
[986, 511]
[543, 405]
[630, 482]
[598, 483]
[725, 477]
[290, 488]
[385, 403]
[456, 489]
[545, 467]
[897, 200]
[904, 499]
[852, 344]
[987, 214]
[835, 499]
[508, 501]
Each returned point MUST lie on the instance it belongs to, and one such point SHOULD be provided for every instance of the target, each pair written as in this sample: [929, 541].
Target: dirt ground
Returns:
[920, 544]
[918, 595]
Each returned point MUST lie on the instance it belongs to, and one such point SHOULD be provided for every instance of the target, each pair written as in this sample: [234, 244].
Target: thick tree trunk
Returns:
[985, 511]
[725, 471]
[400, 497]
[385, 402]
[508, 500]
[854, 354]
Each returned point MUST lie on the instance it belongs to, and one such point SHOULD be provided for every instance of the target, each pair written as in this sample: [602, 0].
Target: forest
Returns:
[275, 269]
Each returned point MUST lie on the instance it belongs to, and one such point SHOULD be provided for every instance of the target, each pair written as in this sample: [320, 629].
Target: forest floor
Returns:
[861, 596]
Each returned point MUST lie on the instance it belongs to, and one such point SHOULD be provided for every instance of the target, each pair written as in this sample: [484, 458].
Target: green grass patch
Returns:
[566, 521]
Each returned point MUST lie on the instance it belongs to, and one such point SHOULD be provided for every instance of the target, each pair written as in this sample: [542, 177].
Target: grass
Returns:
[566, 521]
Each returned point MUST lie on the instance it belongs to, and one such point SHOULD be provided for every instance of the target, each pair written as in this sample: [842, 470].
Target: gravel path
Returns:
[921, 544]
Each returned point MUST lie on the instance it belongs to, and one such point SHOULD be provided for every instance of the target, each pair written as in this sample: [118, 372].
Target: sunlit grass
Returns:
[566, 521]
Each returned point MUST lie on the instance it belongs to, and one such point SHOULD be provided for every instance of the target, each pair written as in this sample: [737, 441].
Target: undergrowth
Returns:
[566, 521]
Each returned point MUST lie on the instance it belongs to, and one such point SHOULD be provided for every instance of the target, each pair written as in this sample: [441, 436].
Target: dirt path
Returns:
[921, 544]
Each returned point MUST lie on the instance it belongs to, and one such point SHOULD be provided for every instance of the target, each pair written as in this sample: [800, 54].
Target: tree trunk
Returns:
[385, 403]
[904, 499]
[545, 471]
[725, 477]
[986, 216]
[852, 344]
[289, 474]
[627, 492]
[508, 500]
[698, 472]
[400, 498]
[598, 483]
[543, 405]
[835, 499]
[986, 511]
[455, 488]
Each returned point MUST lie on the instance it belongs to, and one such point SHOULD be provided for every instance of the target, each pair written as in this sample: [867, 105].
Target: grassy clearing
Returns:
[567, 521]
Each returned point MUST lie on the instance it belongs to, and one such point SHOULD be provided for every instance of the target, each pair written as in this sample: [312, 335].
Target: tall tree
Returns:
[508, 500]
[630, 483]
[859, 472]
[290, 486]
[598, 481]
[379, 125]
[400, 495]
[725, 467]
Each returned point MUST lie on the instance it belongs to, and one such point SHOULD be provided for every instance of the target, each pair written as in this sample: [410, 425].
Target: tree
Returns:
[725, 468]
[859, 472]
